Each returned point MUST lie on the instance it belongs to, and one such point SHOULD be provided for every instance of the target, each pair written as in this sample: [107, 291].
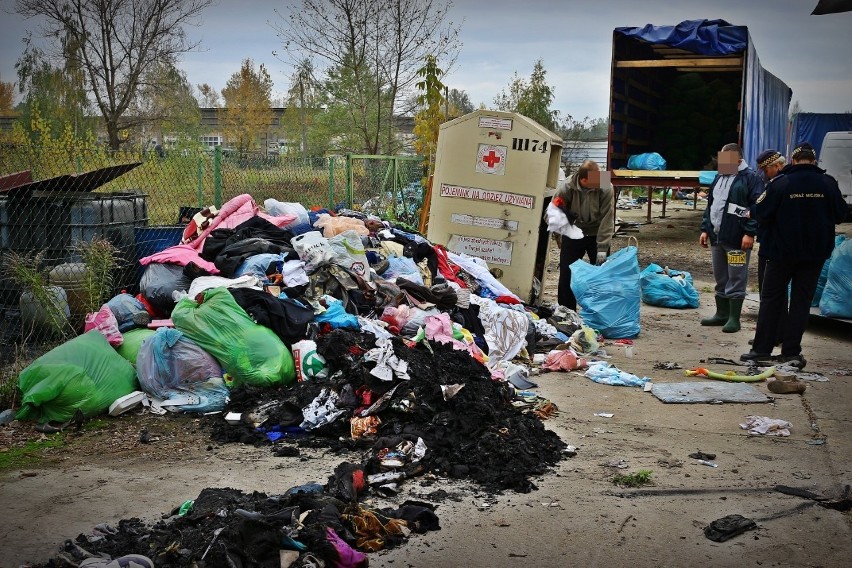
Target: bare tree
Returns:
[376, 47]
[119, 40]
[208, 96]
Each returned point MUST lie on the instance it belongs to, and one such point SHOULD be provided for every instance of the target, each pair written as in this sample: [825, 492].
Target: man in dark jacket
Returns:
[797, 213]
[729, 231]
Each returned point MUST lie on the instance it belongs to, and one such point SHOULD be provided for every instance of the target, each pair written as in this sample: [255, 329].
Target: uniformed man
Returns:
[798, 211]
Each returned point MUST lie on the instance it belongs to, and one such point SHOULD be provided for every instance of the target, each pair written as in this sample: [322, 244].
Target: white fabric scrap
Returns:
[763, 425]
[557, 222]
[203, 283]
[544, 328]
[293, 272]
[387, 363]
[321, 411]
[505, 330]
[477, 268]
[376, 327]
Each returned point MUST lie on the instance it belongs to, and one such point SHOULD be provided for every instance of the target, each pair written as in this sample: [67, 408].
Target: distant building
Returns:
[575, 152]
[275, 142]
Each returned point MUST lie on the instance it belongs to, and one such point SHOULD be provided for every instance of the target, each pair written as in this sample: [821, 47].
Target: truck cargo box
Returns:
[686, 90]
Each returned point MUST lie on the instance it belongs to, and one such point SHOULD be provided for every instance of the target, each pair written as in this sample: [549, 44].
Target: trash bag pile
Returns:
[315, 328]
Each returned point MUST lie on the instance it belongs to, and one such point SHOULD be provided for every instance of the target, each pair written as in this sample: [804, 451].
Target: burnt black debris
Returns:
[477, 434]
[226, 527]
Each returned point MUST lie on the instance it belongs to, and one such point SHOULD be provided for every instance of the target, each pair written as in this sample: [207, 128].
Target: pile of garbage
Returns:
[314, 327]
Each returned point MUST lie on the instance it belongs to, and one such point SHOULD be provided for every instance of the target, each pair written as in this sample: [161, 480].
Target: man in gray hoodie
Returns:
[590, 207]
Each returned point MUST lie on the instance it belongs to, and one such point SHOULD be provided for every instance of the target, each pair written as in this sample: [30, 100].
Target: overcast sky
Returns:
[812, 54]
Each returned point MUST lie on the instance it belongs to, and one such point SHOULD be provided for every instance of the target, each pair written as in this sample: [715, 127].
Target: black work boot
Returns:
[755, 357]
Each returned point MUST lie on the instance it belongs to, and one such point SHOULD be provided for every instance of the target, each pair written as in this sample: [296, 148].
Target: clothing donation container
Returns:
[494, 172]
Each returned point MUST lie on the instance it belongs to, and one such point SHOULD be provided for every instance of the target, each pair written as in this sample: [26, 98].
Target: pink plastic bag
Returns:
[105, 323]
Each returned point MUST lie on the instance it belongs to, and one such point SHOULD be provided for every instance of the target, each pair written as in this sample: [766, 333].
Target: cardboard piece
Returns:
[713, 392]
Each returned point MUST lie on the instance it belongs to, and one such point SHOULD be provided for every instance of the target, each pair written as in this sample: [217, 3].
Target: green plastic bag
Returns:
[249, 352]
[133, 339]
[85, 373]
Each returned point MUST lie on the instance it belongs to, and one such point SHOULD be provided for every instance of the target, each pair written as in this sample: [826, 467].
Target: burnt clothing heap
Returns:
[476, 434]
[226, 527]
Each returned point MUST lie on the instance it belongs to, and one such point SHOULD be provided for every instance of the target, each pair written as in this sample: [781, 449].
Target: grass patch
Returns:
[636, 479]
[30, 453]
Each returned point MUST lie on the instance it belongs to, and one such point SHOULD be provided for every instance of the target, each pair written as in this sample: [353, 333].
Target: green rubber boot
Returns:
[735, 308]
[721, 316]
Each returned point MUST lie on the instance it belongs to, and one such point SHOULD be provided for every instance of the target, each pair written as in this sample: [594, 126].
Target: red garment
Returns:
[447, 269]
[152, 311]
[506, 300]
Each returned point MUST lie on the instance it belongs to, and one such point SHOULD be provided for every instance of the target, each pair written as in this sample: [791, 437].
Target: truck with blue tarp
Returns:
[684, 91]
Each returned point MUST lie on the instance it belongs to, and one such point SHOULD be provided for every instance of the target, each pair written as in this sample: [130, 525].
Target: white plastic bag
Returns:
[280, 208]
[350, 254]
[309, 364]
[314, 249]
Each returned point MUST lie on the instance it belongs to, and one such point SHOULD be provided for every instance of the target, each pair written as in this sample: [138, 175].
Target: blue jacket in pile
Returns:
[746, 187]
[797, 214]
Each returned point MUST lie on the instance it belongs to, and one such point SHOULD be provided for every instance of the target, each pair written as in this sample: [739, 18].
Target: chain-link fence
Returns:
[73, 224]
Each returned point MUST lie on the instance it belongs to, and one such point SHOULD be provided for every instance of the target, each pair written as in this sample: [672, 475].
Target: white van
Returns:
[835, 158]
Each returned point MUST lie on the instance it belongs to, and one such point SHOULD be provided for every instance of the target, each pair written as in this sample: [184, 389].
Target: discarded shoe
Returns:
[785, 386]
[727, 527]
[756, 357]
[797, 361]
[54, 427]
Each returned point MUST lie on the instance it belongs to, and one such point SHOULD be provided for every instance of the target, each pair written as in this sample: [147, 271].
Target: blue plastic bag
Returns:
[170, 361]
[649, 161]
[126, 310]
[672, 290]
[605, 374]
[823, 275]
[337, 316]
[402, 267]
[609, 295]
[257, 264]
[837, 296]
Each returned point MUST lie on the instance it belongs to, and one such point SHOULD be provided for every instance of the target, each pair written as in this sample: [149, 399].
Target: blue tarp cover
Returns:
[813, 126]
[707, 37]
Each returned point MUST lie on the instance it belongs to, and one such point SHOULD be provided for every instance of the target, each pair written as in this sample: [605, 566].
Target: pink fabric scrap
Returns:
[347, 557]
[182, 255]
[235, 211]
[563, 360]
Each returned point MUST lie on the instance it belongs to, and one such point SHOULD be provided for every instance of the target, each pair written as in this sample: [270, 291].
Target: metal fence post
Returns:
[395, 167]
[200, 178]
[331, 182]
[217, 177]
[349, 180]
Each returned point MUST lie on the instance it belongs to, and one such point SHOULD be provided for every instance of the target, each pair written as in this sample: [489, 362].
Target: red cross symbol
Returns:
[491, 159]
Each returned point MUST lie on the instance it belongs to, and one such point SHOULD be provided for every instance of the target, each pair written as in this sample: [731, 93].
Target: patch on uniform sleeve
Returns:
[761, 196]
